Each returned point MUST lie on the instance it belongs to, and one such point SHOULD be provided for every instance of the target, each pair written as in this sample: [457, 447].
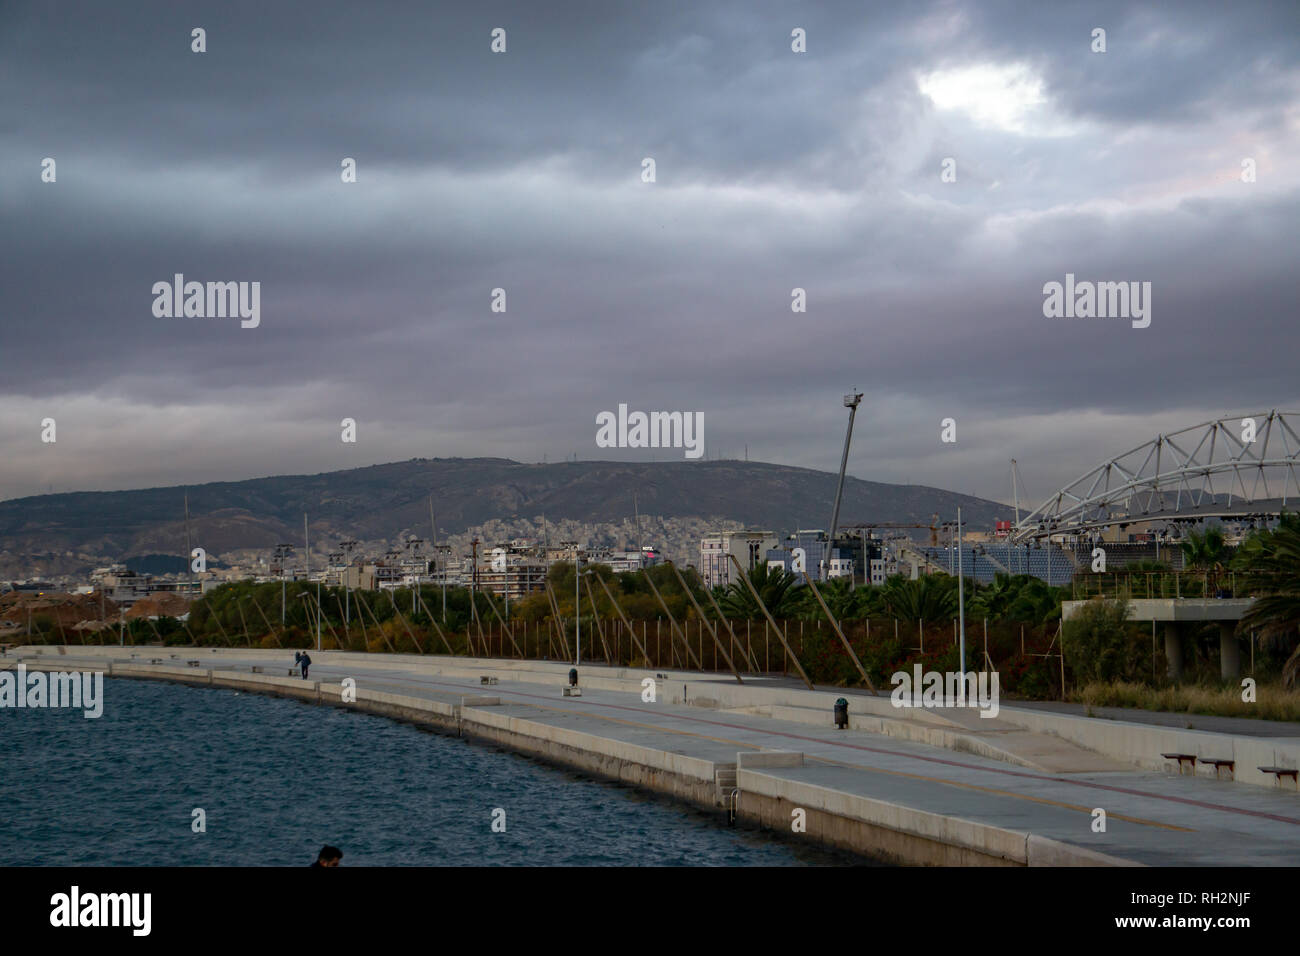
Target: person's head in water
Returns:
[329, 856]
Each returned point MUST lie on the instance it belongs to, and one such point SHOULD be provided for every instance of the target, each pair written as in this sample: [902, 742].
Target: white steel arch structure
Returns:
[1204, 471]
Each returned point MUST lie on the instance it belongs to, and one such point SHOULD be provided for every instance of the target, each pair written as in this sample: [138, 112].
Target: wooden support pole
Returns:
[836, 625]
[375, 620]
[504, 629]
[239, 606]
[268, 623]
[779, 633]
[703, 623]
[595, 618]
[676, 631]
[630, 629]
[392, 596]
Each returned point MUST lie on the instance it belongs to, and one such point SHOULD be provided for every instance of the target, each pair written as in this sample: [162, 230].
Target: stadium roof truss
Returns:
[1205, 471]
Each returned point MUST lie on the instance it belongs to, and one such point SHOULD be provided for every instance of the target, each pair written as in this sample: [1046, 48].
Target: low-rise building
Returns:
[749, 548]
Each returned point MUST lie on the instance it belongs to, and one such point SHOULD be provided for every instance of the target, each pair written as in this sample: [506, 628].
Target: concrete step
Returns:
[724, 783]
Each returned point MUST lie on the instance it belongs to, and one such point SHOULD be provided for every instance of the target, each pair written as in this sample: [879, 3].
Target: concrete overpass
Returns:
[1179, 615]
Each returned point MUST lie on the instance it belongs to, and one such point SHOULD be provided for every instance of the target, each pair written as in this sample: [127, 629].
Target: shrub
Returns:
[1097, 641]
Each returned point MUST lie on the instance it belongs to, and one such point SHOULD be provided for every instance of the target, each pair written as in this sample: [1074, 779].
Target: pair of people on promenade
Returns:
[300, 659]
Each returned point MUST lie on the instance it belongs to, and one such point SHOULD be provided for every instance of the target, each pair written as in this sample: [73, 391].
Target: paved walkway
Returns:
[1152, 818]
[1239, 726]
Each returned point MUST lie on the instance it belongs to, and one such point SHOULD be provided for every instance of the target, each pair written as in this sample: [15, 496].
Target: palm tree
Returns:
[1020, 597]
[931, 597]
[845, 602]
[773, 584]
[991, 600]
[1204, 550]
[1272, 562]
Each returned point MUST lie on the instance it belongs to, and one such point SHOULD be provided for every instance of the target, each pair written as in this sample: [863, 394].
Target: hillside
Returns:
[74, 530]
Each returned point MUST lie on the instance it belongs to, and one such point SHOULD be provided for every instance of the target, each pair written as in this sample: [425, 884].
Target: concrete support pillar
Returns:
[1229, 652]
[1174, 650]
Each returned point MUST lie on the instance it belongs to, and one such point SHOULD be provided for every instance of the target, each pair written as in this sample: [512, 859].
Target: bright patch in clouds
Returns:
[1007, 97]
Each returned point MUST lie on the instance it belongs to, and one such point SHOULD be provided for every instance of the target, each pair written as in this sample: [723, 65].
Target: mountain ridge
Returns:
[382, 501]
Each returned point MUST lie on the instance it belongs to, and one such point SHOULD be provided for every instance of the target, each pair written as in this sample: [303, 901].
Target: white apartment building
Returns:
[748, 547]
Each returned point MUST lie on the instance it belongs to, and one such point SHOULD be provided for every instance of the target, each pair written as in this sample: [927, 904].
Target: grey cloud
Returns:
[522, 171]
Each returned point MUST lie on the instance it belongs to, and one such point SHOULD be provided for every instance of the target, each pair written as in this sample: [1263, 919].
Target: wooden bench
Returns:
[573, 692]
[256, 669]
[1188, 759]
[1280, 772]
[1218, 766]
[192, 663]
[155, 660]
[487, 680]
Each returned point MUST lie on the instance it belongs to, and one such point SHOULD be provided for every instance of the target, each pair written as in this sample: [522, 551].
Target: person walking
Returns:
[305, 661]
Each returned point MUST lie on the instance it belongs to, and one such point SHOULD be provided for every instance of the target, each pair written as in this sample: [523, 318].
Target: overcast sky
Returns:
[522, 170]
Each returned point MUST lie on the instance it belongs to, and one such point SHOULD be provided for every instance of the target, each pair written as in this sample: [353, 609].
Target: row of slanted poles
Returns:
[703, 623]
[505, 630]
[392, 596]
[640, 645]
[478, 623]
[767, 614]
[595, 617]
[751, 662]
[555, 621]
[217, 617]
[835, 624]
[321, 614]
[672, 622]
[375, 620]
[269, 627]
[445, 643]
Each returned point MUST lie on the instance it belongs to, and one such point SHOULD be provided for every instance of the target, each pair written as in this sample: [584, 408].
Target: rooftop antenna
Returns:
[1015, 494]
[189, 554]
[640, 547]
[1016, 483]
[961, 610]
[851, 402]
[434, 524]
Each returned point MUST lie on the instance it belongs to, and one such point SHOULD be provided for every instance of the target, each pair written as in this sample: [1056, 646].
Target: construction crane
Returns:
[851, 402]
[933, 526]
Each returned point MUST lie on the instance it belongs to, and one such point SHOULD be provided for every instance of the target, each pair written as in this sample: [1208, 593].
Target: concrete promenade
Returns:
[904, 786]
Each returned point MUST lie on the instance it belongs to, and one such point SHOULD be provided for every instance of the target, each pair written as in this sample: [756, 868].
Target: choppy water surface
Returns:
[278, 779]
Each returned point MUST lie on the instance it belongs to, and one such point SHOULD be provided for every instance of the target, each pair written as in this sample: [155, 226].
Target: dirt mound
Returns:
[162, 604]
[55, 608]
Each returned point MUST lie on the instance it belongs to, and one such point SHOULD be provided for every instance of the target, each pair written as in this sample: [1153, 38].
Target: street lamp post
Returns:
[282, 552]
[577, 610]
[961, 608]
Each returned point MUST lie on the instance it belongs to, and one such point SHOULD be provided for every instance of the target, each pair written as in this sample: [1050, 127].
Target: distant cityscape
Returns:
[515, 567]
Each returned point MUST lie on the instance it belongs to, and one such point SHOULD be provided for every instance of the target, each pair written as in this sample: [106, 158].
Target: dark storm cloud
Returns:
[521, 171]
